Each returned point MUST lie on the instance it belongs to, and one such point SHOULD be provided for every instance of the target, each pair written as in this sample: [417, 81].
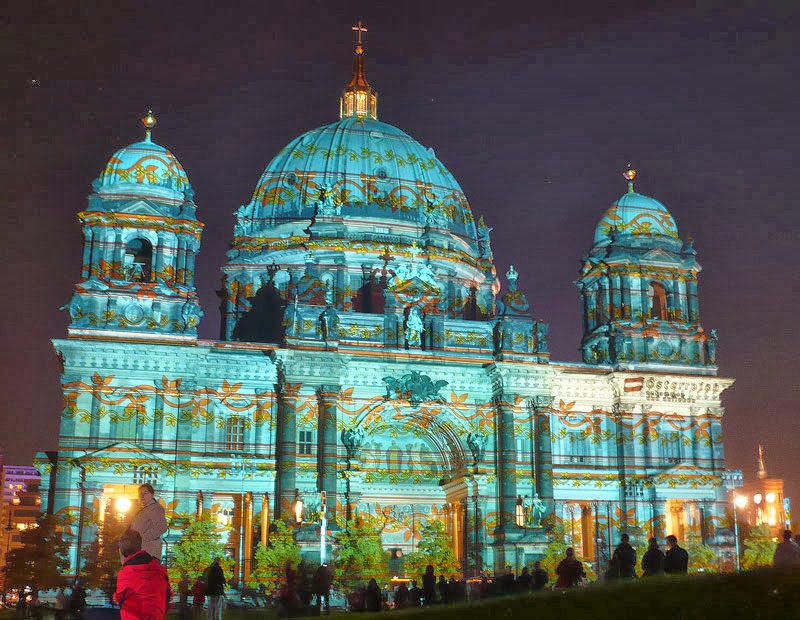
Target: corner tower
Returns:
[140, 239]
[639, 290]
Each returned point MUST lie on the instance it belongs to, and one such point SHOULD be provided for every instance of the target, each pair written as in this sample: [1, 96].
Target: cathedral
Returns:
[372, 364]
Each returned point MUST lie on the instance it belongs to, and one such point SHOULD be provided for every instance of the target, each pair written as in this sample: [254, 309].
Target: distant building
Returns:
[21, 505]
[370, 350]
[761, 502]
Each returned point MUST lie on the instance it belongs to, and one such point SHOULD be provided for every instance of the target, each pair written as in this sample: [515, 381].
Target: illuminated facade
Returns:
[370, 350]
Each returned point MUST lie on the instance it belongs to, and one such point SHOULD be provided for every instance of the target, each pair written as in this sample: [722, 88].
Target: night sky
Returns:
[535, 111]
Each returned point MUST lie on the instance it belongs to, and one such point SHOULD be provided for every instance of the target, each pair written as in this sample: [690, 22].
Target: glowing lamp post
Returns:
[739, 501]
[323, 526]
[298, 511]
[123, 505]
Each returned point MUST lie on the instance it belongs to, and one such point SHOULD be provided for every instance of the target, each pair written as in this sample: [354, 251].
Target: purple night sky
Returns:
[535, 111]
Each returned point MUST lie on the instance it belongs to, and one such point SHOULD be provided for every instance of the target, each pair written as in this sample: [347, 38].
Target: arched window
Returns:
[658, 301]
[138, 261]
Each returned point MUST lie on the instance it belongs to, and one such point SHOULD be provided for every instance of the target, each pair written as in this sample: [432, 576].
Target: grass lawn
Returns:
[757, 594]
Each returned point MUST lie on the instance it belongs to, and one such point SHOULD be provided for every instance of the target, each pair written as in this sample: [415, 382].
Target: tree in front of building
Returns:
[434, 548]
[702, 558]
[41, 560]
[556, 547]
[271, 559]
[197, 548]
[101, 560]
[759, 548]
[360, 555]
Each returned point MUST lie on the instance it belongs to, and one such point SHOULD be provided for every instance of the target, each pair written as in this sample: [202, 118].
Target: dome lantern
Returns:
[149, 121]
[359, 99]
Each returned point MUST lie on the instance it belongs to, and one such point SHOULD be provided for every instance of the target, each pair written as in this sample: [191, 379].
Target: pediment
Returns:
[140, 207]
[661, 256]
[114, 449]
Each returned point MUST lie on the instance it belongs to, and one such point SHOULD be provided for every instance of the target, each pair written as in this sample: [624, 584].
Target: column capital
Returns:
[328, 390]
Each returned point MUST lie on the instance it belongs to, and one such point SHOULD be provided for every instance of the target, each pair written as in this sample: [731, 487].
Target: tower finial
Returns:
[358, 29]
[149, 121]
[630, 174]
[359, 99]
[762, 470]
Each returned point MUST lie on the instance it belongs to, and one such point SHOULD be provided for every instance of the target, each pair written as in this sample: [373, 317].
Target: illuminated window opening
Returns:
[234, 434]
[305, 442]
[658, 301]
[138, 261]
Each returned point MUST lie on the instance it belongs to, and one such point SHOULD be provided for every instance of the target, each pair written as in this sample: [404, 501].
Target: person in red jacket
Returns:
[143, 590]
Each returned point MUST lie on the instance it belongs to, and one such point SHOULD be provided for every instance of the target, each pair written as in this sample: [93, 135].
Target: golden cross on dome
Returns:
[359, 28]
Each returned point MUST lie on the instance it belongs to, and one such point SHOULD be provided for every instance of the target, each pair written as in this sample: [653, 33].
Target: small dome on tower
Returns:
[145, 170]
[635, 214]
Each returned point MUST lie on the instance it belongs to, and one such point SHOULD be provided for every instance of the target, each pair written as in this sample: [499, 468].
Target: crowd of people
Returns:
[143, 590]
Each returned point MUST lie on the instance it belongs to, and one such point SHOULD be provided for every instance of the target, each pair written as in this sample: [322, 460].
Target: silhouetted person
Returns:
[401, 597]
[322, 587]
[442, 590]
[524, 580]
[787, 553]
[429, 586]
[653, 560]
[77, 600]
[373, 597]
[570, 570]
[625, 558]
[414, 595]
[676, 560]
[215, 590]
[540, 576]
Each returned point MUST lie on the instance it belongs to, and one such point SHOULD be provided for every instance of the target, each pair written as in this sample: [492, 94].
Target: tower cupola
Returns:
[638, 285]
[140, 239]
[359, 99]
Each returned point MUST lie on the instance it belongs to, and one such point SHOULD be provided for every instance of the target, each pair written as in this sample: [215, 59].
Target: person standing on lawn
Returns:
[676, 560]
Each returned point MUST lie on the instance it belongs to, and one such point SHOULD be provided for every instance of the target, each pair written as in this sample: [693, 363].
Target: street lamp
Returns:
[298, 510]
[739, 501]
[323, 526]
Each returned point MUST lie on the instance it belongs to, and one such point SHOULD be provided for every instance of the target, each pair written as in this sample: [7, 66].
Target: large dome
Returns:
[362, 167]
[637, 215]
[144, 170]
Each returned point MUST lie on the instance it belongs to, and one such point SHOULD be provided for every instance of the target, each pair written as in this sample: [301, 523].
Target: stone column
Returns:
[694, 308]
[86, 267]
[544, 457]
[327, 457]
[506, 466]
[191, 249]
[116, 269]
[158, 258]
[247, 551]
[287, 450]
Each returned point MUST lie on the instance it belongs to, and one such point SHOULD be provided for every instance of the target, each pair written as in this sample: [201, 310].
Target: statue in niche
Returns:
[536, 512]
[711, 347]
[329, 323]
[353, 439]
[434, 215]
[477, 446]
[484, 241]
[413, 328]
[325, 204]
